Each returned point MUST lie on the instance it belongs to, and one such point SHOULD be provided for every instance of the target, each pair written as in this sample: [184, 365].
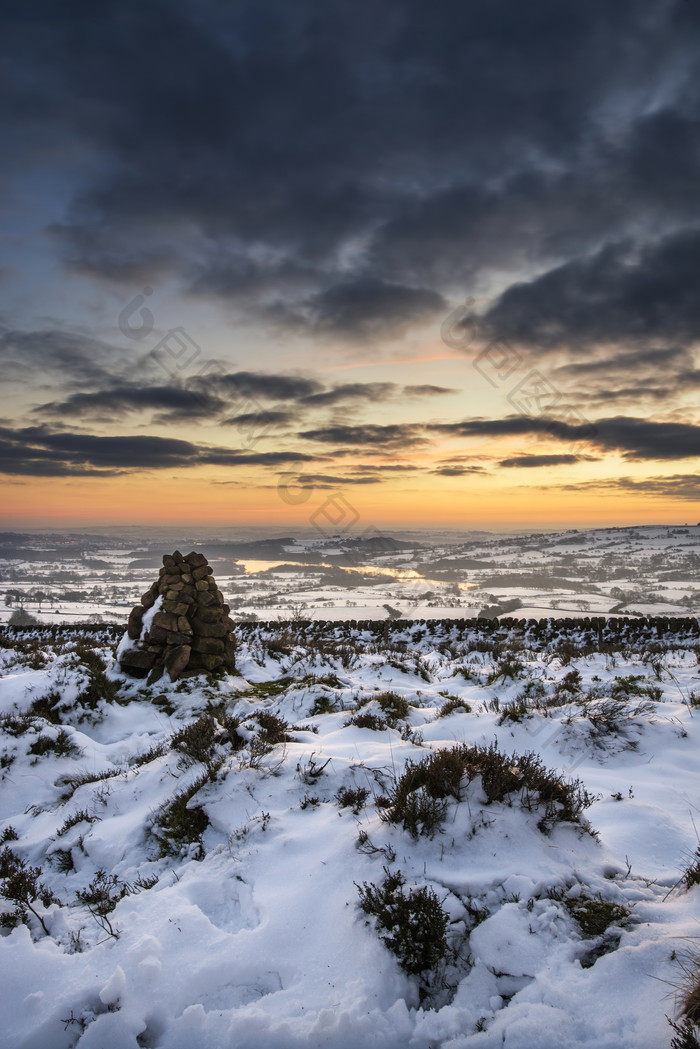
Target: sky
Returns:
[350, 266]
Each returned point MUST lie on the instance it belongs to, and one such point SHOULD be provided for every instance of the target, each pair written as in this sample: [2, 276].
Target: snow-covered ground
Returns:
[650, 570]
[231, 918]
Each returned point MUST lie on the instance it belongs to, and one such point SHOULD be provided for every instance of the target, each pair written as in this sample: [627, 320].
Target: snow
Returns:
[255, 937]
[649, 569]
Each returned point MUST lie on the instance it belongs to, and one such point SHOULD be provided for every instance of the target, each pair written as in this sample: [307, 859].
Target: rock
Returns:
[176, 659]
[195, 560]
[133, 628]
[158, 637]
[210, 646]
[137, 661]
[205, 662]
[201, 585]
[168, 561]
[165, 620]
[208, 629]
[178, 638]
[156, 674]
[171, 580]
[230, 654]
[177, 557]
[201, 573]
[149, 599]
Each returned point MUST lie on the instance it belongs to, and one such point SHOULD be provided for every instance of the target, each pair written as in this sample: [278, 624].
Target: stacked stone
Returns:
[191, 631]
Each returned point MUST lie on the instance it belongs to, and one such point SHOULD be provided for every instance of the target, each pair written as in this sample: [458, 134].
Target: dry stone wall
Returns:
[190, 631]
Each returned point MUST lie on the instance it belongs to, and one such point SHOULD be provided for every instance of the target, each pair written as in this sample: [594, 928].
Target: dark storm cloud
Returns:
[624, 291]
[362, 309]
[633, 438]
[342, 168]
[40, 452]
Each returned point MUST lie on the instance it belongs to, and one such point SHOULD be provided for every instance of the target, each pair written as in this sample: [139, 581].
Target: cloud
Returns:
[371, 392]
[260, 420]
[396, 436]
[546, 460]
[68, 356]
[427, 390]
[173, 403]
[342, 163]
[202, 399]
[39, 452]
[685, 487]
[626, 291]
[328, 481]
[633, 438]
[362, 309]
[384, 468]
[266, 386]
[457, 471]
[650, 360]
[355, 391]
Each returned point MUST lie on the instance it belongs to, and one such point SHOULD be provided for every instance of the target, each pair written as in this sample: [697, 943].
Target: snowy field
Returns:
[185, 864]
[647, 570]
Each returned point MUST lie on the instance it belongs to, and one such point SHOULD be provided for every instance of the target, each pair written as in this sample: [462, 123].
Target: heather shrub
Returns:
[412, 924]
[418, 800]
[196, 741]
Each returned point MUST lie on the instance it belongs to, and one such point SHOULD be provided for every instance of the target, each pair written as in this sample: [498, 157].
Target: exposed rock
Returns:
[133, 628]
[211, 646]
[190, 632]
[137, 662]
[176, 659]
[149, 599]
[209, 629]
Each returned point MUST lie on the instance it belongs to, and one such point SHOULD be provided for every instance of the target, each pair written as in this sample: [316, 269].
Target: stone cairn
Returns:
[190, 632]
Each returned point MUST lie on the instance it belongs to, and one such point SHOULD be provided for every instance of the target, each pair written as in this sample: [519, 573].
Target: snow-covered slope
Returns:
[209, 841]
